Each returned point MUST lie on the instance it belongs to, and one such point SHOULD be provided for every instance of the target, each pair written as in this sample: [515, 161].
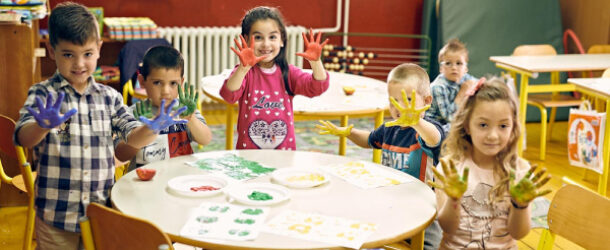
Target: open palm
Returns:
[328, 127]
[410, 114]
[452, 183]
[246, 55]
[526, 190]
[188, 98]
[313, 48]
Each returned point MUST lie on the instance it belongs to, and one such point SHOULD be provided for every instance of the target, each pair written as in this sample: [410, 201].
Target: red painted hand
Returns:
[313, 48]
[246, 53]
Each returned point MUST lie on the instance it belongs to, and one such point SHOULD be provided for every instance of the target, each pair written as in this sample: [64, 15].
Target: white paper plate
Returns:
[182, 185]
[300, 177]
[241, 192]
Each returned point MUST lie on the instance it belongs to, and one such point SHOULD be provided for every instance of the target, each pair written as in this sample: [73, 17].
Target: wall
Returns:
[589, 19]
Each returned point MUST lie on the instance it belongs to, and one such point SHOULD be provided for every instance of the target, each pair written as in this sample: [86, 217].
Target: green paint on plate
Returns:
[259, 196]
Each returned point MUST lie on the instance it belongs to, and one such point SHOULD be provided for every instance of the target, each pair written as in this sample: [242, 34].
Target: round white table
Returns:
[369, 99]
[400, 211]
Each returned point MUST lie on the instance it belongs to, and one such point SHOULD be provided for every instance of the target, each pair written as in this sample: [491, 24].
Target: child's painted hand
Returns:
[453, 185]
[164, 119]
[143, 108]
[188, 98]
[246, 53]
[313, 48]
[49, 117]
[328, 127]
[409, 115]
[526, 190]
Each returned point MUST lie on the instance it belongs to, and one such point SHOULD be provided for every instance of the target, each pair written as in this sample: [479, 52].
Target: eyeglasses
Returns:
[451, 64]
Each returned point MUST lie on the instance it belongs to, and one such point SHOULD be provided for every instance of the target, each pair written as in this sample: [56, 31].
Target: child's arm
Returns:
[247, 59]
[429, 132]
[200, 132]
[521, 194]
[313, 50]
[124, 152]
[357, 136]
[47, 117]
[449, 190]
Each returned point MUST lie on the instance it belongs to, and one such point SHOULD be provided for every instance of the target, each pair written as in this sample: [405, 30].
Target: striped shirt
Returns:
[76, 160]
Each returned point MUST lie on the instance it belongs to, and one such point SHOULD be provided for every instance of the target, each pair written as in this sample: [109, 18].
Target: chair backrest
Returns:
[7, 126]
[580, 216]
[599, 49]
[606, 73]
[113, 230]
[534, 50]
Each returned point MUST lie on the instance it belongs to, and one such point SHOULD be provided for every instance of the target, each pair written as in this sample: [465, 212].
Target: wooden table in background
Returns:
[599, 88]
[531, 66]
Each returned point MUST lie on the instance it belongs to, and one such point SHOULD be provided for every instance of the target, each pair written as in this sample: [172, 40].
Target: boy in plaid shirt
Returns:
[71, 135]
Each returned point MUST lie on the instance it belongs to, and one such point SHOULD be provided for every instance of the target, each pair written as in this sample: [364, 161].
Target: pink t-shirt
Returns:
[482, 225]
[265, 108]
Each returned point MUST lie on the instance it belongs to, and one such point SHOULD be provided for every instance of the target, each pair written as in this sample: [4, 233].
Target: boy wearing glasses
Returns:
[450, 85]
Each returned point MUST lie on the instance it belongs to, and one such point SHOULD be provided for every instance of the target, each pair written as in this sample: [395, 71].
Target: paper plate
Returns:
[300, 177]
[182, 185]
[246, 193]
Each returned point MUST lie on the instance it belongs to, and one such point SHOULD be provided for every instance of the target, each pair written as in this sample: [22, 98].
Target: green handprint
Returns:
[328, 127]
[143, 108]
[409, 115]
[188, 98]
[526, 189]
[453, 185]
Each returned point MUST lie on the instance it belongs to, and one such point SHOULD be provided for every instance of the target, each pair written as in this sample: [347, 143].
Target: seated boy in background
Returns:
[450, 86]
[411, 143]
[72, 137]
[161, 75]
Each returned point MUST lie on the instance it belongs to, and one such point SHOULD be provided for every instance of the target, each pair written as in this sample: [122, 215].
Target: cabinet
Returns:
[19, 65]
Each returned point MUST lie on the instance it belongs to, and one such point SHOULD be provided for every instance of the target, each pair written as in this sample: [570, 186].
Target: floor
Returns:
[556, 163]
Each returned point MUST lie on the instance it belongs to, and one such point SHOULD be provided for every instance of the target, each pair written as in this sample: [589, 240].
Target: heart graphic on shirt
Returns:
[262, 92]
[244, 145]
[277, 113]
[268, 136]
[246, 101]
[256, 91]
[268, 111]
[255, 99]
[246, 115]
[256, 112]
[248, 94]
[276, 92]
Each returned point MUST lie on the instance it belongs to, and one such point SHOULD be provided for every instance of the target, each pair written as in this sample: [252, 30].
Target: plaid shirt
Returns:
[76, 159]
[443, 98]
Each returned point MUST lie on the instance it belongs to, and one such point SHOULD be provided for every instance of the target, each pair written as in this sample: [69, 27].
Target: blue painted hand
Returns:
[48, 116]
[164, 119]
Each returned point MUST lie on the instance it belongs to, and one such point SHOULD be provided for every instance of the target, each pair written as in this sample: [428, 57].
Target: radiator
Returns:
[206, 49]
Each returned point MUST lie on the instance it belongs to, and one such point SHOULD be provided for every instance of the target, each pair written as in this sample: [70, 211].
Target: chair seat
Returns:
[18, 182]
[546, 100]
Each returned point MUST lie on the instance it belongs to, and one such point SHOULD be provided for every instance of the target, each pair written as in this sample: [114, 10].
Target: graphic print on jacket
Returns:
[263, 134]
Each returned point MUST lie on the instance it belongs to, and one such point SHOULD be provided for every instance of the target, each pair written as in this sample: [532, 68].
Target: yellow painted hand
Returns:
[327, 127]
[410, 114]
[453, 185]
[526, 190]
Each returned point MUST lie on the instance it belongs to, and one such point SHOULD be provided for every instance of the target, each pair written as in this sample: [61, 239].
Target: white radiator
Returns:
[206, 50]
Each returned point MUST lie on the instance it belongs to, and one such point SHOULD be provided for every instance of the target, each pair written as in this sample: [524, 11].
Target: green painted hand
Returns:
[143, 108]
[188, 98]
[526, 190]
[452, 183]
[410, 114]
[328, 127]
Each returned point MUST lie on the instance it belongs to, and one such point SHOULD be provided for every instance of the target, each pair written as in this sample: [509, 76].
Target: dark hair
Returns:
[72, 22]
[161, 57]
[261, 13]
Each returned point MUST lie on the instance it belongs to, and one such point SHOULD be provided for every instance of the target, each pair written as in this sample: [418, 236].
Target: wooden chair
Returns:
[599, 49]
[24, 181]
[105, 228]
[606, 73]
[544, 101]
[580, 216]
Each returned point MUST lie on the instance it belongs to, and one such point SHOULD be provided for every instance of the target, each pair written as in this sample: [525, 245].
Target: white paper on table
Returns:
[365, 174]
[224, 221]
[322, 228]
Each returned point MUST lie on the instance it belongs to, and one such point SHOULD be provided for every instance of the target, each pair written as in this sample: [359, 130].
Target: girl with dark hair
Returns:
[265, 84]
